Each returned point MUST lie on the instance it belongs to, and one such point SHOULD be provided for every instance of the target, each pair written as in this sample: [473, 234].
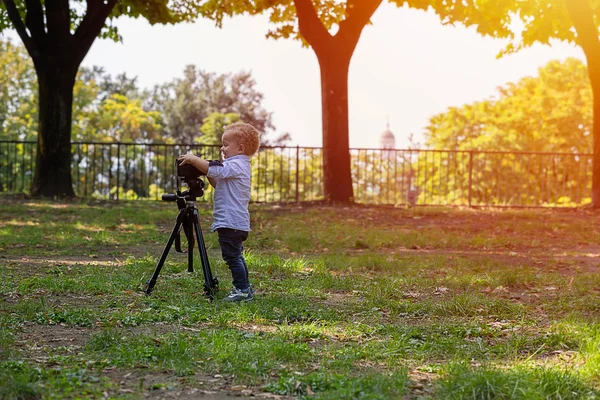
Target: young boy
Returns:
[231, 180]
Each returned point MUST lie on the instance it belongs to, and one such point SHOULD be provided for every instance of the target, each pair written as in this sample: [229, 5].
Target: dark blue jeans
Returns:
[230, 241]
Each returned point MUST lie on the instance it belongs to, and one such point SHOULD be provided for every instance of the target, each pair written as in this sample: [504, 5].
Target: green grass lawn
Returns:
[351, 303]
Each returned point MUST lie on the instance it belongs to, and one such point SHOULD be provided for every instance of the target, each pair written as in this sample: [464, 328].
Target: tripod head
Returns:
[196, 190]
[191, 176]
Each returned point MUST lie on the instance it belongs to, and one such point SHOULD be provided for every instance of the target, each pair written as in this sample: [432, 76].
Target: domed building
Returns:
[387, 140]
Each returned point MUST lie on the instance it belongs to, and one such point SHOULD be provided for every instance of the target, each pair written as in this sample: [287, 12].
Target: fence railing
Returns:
[295, 174]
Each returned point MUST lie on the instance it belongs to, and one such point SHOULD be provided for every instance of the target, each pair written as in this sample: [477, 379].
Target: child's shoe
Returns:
[237, 295]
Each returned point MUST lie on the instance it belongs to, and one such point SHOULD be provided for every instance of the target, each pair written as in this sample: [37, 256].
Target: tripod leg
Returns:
[210, 282]
[163, 257]
[190, 238]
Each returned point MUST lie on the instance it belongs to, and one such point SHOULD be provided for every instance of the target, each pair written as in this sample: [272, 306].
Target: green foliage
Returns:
[284, 18]
[113, 109]
[57, 36]
[155, 11]
[18, 93]
[520, 383]
[124, 120]
[336, 386]
[20, 380]
[4, 21]
[107, 109]
[188, 103]
[18, 115]
[213, 127]
[551, 112]
[101, 109]
[541, 21]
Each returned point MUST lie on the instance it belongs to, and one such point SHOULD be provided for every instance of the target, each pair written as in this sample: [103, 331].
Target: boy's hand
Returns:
[196, 161]
[187, 158]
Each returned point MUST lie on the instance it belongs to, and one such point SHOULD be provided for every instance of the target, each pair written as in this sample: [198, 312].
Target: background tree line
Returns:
[191, 109]
[550, 112]
[530, 144]
[58, 35]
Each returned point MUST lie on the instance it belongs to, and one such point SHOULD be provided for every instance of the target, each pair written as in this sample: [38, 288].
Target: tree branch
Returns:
[582, 17]
[92, 7]
[95, 17]
[34, 19]
[59, 19]
[15, 18]
[311, 27]
[358, 14]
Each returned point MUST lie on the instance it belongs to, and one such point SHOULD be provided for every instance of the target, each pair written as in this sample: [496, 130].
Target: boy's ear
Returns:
[241, 149]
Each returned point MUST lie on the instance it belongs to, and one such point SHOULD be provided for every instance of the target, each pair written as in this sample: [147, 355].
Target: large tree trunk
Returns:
[594, 72]
[593, 65]
[582, 16]
[334, 53]
[53, 160]
[334, 67]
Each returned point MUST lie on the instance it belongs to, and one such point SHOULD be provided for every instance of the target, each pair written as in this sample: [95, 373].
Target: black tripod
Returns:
[188, 220]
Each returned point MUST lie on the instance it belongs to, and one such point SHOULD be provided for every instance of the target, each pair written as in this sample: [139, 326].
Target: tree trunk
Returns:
[53, 159]
[334, 65]
[582, 16]
[594, 73]
[334, 53]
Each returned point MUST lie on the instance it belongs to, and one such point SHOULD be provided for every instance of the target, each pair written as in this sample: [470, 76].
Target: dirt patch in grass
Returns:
[164, 385]
[37, 265]
[584, 259]
[37, 341]
[560, 239]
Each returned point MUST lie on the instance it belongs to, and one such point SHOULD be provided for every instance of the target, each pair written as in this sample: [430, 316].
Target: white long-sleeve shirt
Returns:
[232, 193]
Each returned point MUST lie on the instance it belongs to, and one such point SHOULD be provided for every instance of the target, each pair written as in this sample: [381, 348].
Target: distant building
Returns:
[387, 140]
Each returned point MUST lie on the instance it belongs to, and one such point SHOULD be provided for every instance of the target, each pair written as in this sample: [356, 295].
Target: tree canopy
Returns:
[186, 102]
[110, 108]
[18, 93]
[551, 112]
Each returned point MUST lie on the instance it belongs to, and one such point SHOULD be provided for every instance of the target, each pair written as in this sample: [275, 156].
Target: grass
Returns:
[352, 303]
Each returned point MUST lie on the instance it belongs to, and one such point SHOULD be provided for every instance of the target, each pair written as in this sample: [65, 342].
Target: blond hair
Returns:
[246, 135]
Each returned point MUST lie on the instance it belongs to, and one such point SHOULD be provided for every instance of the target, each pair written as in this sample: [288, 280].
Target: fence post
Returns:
[297, 173]
[470, 174]
[118, 167]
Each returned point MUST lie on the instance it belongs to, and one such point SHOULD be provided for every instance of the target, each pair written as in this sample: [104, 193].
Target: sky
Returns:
[407, 67]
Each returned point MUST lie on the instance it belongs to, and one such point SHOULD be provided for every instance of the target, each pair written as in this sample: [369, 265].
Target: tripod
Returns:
[188, 220]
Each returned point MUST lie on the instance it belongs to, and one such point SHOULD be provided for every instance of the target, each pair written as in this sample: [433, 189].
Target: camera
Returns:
[187, 172]
[191, 176]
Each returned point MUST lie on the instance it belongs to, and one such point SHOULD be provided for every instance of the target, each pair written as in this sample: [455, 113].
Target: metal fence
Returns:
[295, 174]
